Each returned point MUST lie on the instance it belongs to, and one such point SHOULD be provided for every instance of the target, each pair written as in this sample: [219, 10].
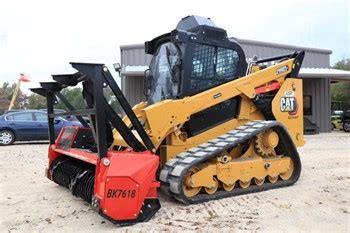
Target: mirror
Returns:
[56, 121]
[147, 83]
[117, 67]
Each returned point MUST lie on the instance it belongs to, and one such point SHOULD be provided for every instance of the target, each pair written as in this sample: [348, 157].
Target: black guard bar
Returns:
[288, 55]
[94, 77]
[44, 92]
[298, 60]
[128, 110]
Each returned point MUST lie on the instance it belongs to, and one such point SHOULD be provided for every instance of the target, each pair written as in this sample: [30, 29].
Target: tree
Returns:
[112, 100]
[342, 64]
[74, 96]
[6, 93]
[341, 91]
[22, 101]
[36, 101]
[4, 103]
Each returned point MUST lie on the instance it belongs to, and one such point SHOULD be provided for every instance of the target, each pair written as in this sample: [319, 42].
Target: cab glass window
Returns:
[212, 66]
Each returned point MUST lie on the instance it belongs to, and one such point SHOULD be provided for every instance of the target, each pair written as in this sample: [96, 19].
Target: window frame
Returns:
[35, 118]
[185, 81]
[18, 113]
[209, 62]
[307, 113]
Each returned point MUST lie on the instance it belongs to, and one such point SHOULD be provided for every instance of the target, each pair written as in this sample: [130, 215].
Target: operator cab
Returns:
[195, 57]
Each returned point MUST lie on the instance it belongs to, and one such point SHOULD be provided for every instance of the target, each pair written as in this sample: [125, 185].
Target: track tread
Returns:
[175, 169]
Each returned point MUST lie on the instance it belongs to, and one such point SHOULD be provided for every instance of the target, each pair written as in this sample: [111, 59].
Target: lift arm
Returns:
[171, 117]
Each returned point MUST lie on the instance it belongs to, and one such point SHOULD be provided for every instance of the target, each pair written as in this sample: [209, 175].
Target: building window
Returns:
[307, 101]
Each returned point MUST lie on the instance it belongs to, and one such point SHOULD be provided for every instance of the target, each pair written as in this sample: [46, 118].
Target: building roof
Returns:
[252, 42]
[334, 74]
[133, 70]
[282, 46]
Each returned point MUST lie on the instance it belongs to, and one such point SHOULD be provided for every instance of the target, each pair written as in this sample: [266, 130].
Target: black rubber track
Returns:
[175, 170]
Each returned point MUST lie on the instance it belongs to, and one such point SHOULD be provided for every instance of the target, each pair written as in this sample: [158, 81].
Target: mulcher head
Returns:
[120, 184]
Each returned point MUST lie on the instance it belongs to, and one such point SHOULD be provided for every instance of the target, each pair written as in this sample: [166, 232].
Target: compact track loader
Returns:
[213, 126]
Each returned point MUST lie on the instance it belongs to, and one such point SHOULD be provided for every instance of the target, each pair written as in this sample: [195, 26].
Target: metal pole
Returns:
[100, 112]
[15, 93]
[50, 102]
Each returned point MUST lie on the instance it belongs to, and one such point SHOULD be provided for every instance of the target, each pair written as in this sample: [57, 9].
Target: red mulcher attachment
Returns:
[120, 184]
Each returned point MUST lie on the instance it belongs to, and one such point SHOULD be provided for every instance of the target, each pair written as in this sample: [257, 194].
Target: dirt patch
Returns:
[318, 202]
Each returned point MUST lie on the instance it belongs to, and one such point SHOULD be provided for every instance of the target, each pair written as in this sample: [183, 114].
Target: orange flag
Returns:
[24, 77]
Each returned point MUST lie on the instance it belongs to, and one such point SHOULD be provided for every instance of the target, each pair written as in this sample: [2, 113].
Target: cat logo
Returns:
[289, 104]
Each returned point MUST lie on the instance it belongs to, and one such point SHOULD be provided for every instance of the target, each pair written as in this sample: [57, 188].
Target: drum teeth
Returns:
[76, 175]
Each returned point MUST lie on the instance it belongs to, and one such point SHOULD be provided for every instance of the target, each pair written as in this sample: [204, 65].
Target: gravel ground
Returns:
[318, 202]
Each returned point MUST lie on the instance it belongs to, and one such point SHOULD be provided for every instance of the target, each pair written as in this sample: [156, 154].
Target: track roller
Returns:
[190, 191]
[272, 179]
[259, 182]
[228, 187]
[244, 184]
[213, 188]
[288, 174]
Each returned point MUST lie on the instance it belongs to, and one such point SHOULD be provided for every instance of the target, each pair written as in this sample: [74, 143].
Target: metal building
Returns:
[316, 82]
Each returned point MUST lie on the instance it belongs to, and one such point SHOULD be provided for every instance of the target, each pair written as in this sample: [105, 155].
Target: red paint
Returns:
[134, 173]
[130, 172]
[268, 87]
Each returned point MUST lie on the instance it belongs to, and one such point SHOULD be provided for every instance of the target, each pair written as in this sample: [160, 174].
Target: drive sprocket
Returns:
[265, 143]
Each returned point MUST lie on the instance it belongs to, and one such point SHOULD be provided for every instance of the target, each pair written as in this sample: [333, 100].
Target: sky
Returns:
[40, 38]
